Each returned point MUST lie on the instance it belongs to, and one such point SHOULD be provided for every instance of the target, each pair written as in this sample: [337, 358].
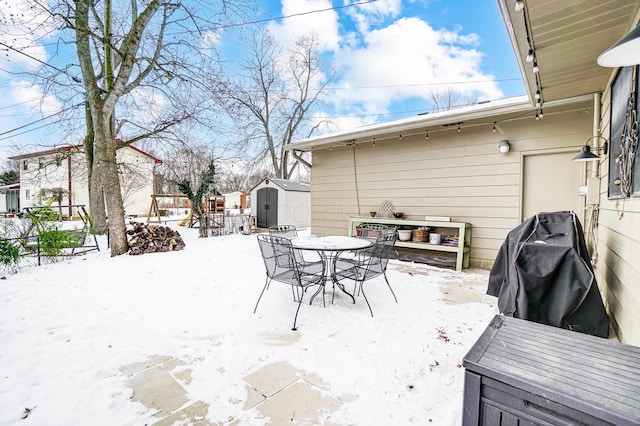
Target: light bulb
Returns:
[529, 57]
[535, 67]
[519, 5]
[537, 95]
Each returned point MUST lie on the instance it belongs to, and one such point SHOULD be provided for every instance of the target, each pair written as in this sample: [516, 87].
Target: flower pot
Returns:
[404, 234]
[420, 235]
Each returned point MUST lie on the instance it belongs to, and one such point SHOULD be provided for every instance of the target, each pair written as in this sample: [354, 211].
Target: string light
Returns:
[530, 55]
[427, 135]
[400, 137]
[494, 127]
[519, 5]
[374, 142]
[535, 67]
[458, 128]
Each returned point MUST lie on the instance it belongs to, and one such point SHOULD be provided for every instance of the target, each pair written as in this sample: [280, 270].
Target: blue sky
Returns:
[390, 57]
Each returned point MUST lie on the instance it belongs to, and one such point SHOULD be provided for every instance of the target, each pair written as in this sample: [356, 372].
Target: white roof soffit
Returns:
[429, 122]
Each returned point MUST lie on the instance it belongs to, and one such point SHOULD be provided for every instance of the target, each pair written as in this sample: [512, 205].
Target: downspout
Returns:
[597, 122]
[594, 180]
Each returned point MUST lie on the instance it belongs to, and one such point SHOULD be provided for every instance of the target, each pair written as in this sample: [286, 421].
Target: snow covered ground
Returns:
[69, 330]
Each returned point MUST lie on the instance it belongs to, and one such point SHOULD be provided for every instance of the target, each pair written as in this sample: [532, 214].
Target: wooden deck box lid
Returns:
[597, 376]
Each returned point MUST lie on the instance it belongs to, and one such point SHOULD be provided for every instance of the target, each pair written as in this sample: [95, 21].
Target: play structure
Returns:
[212, 205]
[67, 241]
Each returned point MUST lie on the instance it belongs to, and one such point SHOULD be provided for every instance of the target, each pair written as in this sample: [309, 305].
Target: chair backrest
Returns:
[379, 255]
[287, 231]
[278, 257]
[373, 230]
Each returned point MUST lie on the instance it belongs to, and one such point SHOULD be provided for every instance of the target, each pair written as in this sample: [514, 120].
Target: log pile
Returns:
[145, 238]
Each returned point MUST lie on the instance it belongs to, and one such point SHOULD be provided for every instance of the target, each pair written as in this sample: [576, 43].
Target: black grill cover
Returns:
[543, 274]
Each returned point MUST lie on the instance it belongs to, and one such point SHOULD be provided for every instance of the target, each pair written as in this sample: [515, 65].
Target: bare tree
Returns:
[449, 99]
[127, 51]
[272, 100]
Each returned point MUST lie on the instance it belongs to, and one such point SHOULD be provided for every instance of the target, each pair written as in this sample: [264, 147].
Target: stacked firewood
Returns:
[145, 238]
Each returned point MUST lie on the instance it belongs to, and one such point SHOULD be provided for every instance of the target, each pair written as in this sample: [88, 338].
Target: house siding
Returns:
[456, 174]
[618, 249]
[136, 186]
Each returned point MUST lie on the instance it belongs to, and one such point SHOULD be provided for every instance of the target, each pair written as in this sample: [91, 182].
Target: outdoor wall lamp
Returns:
[587, 155]
[624, 52]
[504, 146]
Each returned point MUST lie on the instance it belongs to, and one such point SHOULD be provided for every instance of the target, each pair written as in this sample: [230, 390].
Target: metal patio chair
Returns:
[287, 231]
[369, 266]
[290, 231]
[281, 265]
[373, 230]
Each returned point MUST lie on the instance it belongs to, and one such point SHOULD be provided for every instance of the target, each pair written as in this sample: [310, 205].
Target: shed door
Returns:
[267, 214]
[551, 184]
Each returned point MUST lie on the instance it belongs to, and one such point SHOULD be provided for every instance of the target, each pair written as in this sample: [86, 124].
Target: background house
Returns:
[449, 163]
[10, 198]
[62, 173]
[281, 202]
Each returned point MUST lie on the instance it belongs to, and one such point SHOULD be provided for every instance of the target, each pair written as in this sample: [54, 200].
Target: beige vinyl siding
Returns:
[617, 265]
[461, 175]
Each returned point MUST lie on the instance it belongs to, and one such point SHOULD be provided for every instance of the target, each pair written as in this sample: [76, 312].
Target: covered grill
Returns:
[543, 274]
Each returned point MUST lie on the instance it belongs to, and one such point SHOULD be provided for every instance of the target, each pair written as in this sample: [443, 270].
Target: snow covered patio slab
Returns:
[81, 340]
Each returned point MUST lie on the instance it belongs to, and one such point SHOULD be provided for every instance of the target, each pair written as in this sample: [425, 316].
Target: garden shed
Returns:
[281, 202]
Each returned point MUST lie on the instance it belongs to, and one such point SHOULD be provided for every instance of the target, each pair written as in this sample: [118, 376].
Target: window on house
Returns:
[27, 194]
[25, 164]
[624, 175]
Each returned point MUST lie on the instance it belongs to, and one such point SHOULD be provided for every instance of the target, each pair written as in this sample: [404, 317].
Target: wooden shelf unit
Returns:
[462, 231]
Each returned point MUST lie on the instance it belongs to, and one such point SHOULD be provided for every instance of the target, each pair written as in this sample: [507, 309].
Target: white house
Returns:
[59, 176]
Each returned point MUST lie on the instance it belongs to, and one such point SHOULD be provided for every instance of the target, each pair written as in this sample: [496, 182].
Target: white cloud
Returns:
[371, 14]
[145, 107]
[24, 27]
[325, 24]
[31, 98]
[407, 60]
[210, 39]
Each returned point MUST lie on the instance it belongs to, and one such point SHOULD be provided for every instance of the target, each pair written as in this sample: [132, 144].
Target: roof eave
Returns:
[422, 122]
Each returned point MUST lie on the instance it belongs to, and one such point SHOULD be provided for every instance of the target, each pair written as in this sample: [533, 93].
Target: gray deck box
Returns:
[524, 373]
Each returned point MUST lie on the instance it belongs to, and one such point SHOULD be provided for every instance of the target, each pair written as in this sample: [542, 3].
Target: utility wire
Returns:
[73, 77]
[37, 121]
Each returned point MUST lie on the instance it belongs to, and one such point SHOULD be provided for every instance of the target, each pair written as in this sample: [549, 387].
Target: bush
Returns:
[9, 252]
[53, 240]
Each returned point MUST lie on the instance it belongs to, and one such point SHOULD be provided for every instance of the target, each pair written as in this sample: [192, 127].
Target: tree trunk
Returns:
[96, 202]
[96, 195]
[105, 151]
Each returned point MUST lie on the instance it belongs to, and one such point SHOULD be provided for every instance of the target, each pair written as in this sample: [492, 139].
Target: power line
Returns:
[37, 121]
[259, 21]
[73, 77]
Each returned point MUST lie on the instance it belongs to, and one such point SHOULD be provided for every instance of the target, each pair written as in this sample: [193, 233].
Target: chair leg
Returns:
[389, 285]
[266, 284]
[295, 319]
[365, 297]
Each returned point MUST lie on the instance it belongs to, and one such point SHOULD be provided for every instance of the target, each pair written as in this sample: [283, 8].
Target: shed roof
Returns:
[288, 185]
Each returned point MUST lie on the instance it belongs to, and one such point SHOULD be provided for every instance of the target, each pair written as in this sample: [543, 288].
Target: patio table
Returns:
[329, 248]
